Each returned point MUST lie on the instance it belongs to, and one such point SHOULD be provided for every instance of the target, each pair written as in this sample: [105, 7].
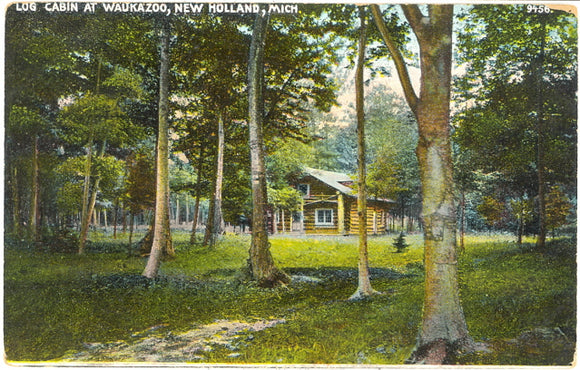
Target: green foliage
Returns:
[287, 198]
[522, 209]
[558, 207]
[491, 209]
[515, 71]
[60, 241]
[95, 118]
[69, 198]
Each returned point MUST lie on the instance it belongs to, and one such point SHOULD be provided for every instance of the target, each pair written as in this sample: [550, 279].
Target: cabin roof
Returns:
[332, 179]
[336, 180]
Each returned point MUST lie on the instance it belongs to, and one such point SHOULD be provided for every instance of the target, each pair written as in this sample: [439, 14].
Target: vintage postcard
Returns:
[278, 184]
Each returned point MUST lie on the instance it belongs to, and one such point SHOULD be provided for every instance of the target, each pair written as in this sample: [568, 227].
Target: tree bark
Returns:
[364, 282]
[161, 232]
[85, 214]
[443, 327]
[197, 197]
[261, 264]
[15, 203]
[115, 217]
[541, 241]
[462, 221]
[34, 201]
[215, 224]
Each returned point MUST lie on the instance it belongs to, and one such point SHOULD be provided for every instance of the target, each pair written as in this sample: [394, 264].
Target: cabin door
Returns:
[298, 221]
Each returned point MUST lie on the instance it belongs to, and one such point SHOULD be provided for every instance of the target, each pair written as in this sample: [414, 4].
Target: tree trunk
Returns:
[364, 282]
[85, 212]
[34, 221]
[462, 222]
[197, 197]
[443, 328]
[15, 203]
[115, 217]
[162, 232]
[124, 219]
[541, 241]
[520, 230]
[89, 207]
[443, 317]
[177, 210]
[131, 225]
[186, 208]
[261, 263]
[216, 221]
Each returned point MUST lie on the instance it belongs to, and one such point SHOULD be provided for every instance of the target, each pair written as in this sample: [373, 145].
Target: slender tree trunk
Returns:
[462, 222]
[161, 233]
[115, 217]
[197, 197]
[443, 328]
[177, 210]
[541, 241]
[124, 219]
[85, 214]
[34, 221]
[209, 224]
[186, 208]
[261, 263]
[131, 225]
[15, 202]
[168, 250]
[216, 221]
[520, 230]
[86, 211]
[93, 189]
[364, 282]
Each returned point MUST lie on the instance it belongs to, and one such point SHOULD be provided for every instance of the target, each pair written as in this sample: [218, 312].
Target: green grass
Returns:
[54, 302]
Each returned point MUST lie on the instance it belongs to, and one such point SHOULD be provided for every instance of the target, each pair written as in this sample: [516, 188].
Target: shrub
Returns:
[400, 244]
[60, 241]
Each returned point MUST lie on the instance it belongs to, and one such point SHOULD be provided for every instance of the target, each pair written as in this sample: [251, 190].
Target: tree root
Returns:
[360, 294]
[443, 352]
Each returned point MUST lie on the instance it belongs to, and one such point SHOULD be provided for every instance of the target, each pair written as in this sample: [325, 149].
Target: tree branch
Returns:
[415, 18]
[397, 56]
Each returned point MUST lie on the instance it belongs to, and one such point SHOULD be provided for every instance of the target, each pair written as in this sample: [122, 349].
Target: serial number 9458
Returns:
[538, 9]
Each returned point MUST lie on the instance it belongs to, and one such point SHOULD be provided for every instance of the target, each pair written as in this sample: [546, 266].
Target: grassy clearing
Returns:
[56, 303]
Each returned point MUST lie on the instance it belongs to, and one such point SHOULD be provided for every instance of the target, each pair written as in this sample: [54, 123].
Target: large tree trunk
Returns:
[443, 317]
[215, 224]
[261, 263]
[364, 282]
[443, 326]
[161, 232]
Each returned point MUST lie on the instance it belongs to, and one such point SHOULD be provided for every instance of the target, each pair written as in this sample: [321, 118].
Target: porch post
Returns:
[340, 216]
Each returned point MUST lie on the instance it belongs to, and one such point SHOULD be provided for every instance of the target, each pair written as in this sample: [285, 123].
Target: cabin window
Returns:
[304, 189]
[324, 217]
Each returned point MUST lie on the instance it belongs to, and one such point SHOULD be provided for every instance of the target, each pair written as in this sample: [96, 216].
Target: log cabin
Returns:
[329, 206]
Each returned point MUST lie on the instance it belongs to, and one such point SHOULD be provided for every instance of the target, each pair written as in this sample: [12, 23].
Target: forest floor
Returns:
[97, 308]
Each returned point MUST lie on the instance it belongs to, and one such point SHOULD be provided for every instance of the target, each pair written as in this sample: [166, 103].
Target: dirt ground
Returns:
[185, 347]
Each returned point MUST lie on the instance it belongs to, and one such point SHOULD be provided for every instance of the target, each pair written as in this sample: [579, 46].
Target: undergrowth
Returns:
[55, 303]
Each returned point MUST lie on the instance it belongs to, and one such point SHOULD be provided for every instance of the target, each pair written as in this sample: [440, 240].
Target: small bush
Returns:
[60, 241]
[400, 244]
